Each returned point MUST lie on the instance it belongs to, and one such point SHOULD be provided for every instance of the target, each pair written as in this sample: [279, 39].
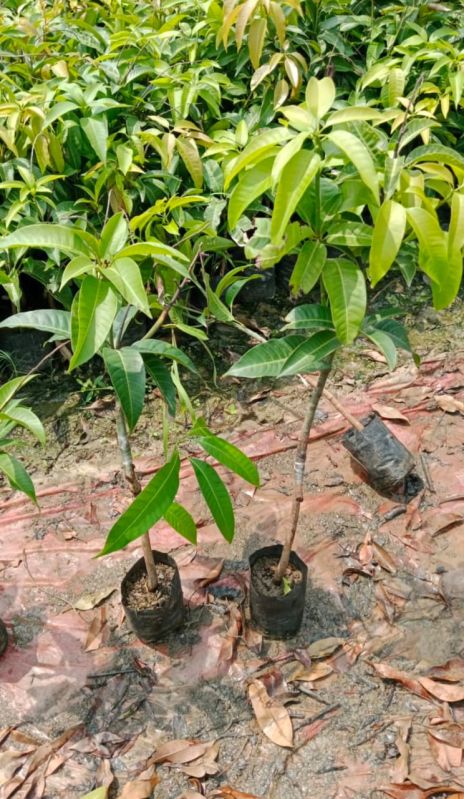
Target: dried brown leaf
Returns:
[450, 404]
[324, 647]
[387, 412]
[211, 576]
[272, 717]
[91, 600]
[383, 558]
[451, 671]
[401, 767]
[226, 792]
[96, 631]
[179, 751]
[316, 672]
[442, 691]
[142, 787]
[411, 683]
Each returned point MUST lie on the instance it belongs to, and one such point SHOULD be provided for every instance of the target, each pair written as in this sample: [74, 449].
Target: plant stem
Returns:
[300, 465]
[167, 307]
[134, 483]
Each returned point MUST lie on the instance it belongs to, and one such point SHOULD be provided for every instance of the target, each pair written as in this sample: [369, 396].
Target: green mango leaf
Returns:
[25, 418]
[154, 346]
[96, 131]
[230, 456]
[162, 377]
[308, 267]
[252, 184]
[265, 360]
[443, 268]
[180, 519]
[348, 233]
[286, 153]
[50, 321]
[389, 229]
[127, 374]
[255, 151]
[80, 265]
[359, 113]
[456, 226]
[385, 344]
[320, 96]
[9, 389]
[51, 237]
[294, 180]
[396, 331]
[346, 289]
[435, 152]
[356, 152]
[124, 274]
[216, 497]
[16, 475]
[114, 236]
[188, 151]
[146, 509]
[309, 356]
[98, 793]
[92, 314]
[309, 317]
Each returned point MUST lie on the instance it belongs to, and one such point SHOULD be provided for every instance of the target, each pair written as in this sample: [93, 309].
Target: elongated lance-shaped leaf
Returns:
[308, 267]
[96, 131]
[16, 475]
[389, 229]
[50, 321]
[216, 497]
[114, 236]
[25, 418]
[9, 389]
[180, 519]
[320, 95]
[444, 268]
[80, 265]
[51, 237]
[309, 317]
[309, 356]
[188, 151]
[396, 331]
[295, 178]
[127, 374]
[146, 509]
[124, 274]
[265, 360]
[346, 288]
[385, 344]
[255, 151]
[92, 314]
[435, 152]
[230, 456]
[155, 346]
[251, 185]
[162, 377]
[356, 152]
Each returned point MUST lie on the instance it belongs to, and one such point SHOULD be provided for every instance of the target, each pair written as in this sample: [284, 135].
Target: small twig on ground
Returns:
[427, 475]
[374, 734]
[312, 694]
[56, 597]
[317, 717]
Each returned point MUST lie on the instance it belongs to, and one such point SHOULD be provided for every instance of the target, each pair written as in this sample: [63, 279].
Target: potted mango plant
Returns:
[108, 293]
[351, 201]
[13, 413]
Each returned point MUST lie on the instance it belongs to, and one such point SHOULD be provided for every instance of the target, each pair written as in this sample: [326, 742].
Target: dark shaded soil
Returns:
[138, 596]
[263, 577]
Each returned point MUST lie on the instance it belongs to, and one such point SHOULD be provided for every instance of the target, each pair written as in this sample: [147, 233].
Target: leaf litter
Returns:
[366, 698]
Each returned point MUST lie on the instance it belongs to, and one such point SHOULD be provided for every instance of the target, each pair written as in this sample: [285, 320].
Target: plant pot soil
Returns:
[153, 615]
[383, 457]
[3, 638]
[278, 615]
